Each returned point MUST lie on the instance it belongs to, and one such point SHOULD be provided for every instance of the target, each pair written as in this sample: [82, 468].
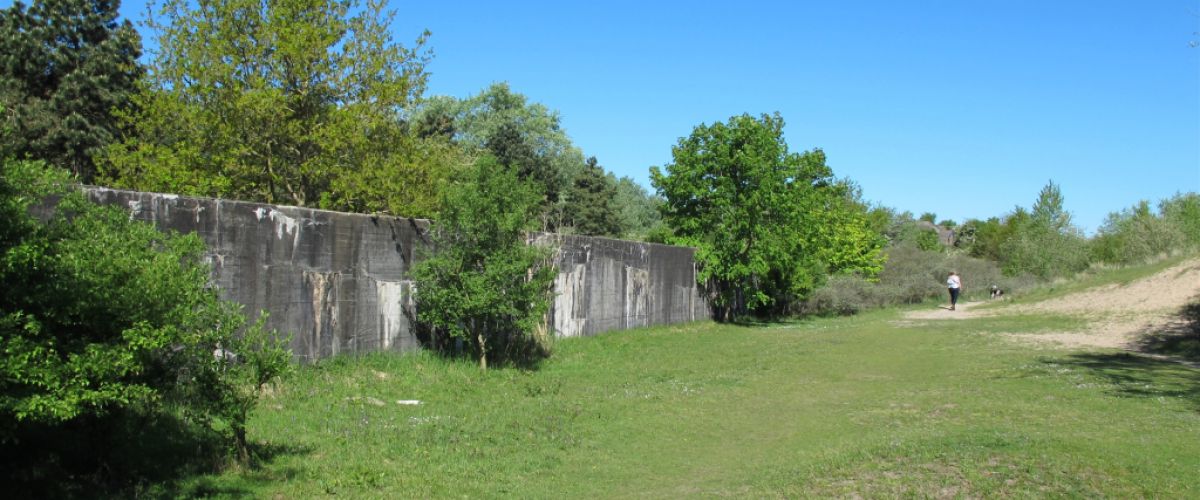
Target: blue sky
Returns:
[961, 108]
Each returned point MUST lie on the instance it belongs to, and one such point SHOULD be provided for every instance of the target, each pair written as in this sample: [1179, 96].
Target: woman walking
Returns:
[954, 284]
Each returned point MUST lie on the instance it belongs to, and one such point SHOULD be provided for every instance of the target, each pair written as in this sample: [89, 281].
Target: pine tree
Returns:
[590, 207]
[65, 66]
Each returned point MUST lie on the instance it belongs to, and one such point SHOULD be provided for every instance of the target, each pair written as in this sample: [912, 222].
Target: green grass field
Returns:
[867, 406]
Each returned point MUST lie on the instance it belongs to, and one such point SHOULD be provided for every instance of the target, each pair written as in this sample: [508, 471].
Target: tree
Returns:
[1048, 211]
[512, 150]
[65, 65]
[637, 210]
[483, 283]
[1136, 235]
[1042, 241]
[1183, 211]
[589, 208]
[290, 101]
[518, 132]
[767, 224]
[100, 313]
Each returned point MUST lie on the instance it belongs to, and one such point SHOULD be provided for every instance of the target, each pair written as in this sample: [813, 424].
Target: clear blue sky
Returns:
[961, 108]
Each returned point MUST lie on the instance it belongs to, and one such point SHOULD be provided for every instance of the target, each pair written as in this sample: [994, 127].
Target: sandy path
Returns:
[1117, 314]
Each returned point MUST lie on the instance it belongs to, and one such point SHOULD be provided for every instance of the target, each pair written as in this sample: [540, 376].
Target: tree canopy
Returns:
[1042, 241]
[294, 101]
[65, 65]
[529, 136]
[767, 223]
[591, 203]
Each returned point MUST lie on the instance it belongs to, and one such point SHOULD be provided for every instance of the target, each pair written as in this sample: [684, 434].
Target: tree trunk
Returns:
[482, 351]
[239, 439]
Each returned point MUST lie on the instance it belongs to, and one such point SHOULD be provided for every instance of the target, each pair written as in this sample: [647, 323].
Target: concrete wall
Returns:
[605, 284]
[338, 282]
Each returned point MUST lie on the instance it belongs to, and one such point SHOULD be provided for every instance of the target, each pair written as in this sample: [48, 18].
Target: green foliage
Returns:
[913, 275]
[984, 239]
[637, 211]
[1043, 242]
[843, 295]
[99, 313]
[928, 217]
[65, 65]
[927, 239]
[848, 243]
[233, 377]
[525, 135]
[529, 136]
[767, 224]
[1137, 235]
[476, 120]
[591, 203]
[1048, 210]
[879, 219]
[515, 151]
[293, 101]
[1183, 212]
[484, 284]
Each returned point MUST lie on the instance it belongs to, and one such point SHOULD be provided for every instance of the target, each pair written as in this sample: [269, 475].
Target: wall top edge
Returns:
[101, 189]
[533, 235]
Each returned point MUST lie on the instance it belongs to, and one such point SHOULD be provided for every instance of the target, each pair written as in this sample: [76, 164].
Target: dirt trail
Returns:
[1117, 314]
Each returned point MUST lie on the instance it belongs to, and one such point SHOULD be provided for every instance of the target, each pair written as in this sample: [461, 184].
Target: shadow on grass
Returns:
[1172, 369]
[124, 455]
[1136, 376]
[523, 351]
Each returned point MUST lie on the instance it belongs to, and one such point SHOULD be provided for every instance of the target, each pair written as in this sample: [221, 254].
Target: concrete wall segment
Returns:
[338, 281]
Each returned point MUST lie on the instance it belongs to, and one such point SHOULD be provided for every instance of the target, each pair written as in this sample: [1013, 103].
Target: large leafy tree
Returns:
[65, 66]
[484, 284]
[283, 101]
[767, 223]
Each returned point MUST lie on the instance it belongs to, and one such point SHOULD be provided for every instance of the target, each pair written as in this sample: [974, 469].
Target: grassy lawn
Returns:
[866, 406]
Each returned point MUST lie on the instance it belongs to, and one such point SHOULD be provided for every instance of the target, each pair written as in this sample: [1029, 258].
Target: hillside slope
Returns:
[1118, 315]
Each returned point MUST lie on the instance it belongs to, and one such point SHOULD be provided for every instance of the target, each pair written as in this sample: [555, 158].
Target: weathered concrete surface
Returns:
[335, 281]
[605, 284]
[338, 282]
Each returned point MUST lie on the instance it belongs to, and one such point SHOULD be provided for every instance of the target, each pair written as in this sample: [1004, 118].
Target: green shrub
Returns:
[843, 295]
[101, 314]
[911, 275]
[1137, 235]
[1182, 211]
[484, 285]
